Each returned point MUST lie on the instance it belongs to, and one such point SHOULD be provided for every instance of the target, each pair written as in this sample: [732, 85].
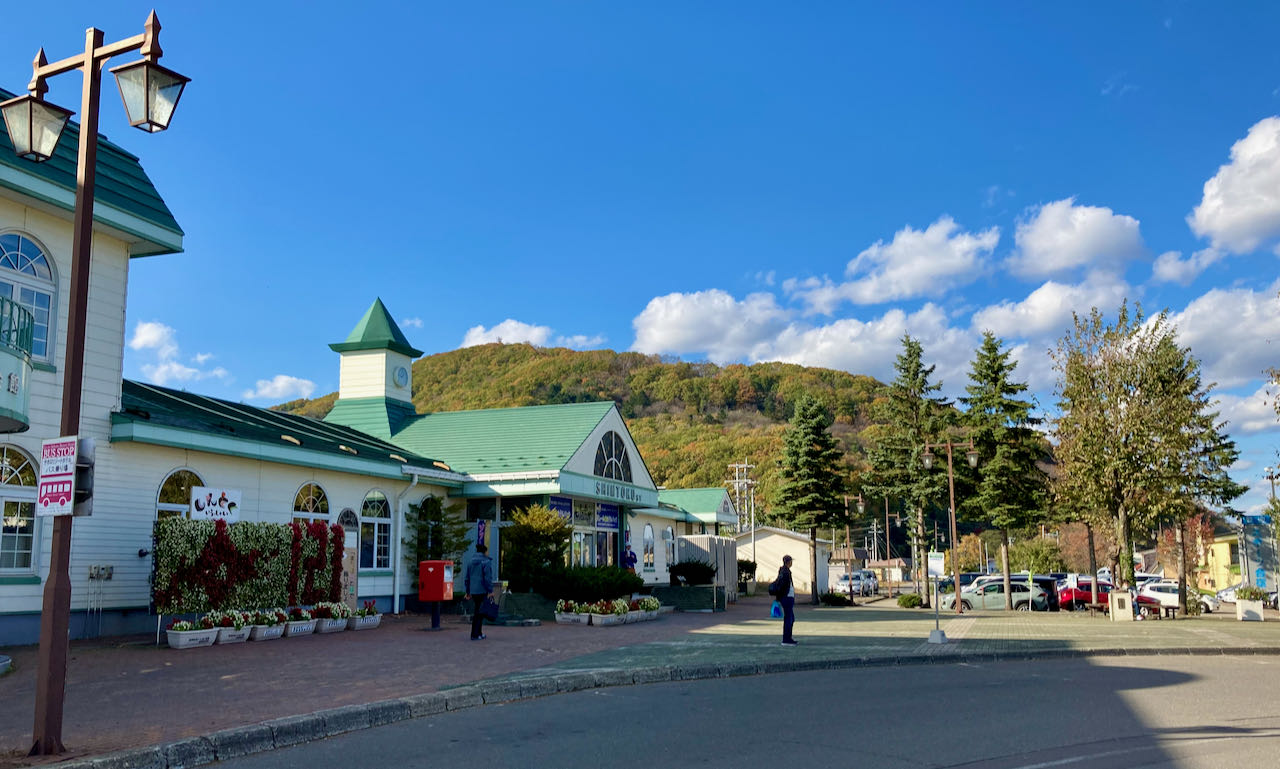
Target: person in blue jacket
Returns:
[786, 595]
[479, 584]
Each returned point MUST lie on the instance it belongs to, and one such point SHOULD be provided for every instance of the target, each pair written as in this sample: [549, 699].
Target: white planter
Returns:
[634, 616]
[601, 620]
[331, 625]
[651, 614]
[299, 627]
[1249, 611]
[569, 618]
[190, 639]
[266, 632]
[364, 623]
[229, 635]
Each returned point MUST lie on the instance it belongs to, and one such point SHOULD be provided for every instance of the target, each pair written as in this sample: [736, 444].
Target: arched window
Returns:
[175, 494]
[26, 277]
[375, 531]
[310, 503]
[611, 458]
[669, 539]
[648, 546]
[18, 500]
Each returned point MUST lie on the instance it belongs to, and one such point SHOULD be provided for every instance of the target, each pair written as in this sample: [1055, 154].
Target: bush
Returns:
[834, 599]
[533, 544]
[910, 601]
[586, 584]
[1251, 593]
[746, 570]
[694, 572]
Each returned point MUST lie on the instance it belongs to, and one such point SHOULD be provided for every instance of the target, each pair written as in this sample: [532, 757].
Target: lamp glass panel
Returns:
[133, 91]
[163, 91]
[17, 118]
[928, 461]
[972, 456]
[47, 123]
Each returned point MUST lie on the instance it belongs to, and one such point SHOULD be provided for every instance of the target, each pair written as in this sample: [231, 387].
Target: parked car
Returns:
[966, 579]
[991, 597]
[1076, 598]
[1166, 593]
[870, 582]
[1228, 595]
[852, 584]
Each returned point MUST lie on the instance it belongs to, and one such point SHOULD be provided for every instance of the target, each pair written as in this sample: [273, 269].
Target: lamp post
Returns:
[972, 456]
[1270, 474]
[150, 94]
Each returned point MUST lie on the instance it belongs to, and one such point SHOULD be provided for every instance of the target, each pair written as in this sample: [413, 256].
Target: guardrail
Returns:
[16, 327]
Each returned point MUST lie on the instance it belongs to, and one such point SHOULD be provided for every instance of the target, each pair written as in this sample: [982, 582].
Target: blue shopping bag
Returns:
[775, 611]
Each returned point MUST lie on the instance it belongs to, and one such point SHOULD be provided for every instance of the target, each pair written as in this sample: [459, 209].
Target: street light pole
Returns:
[972, 456]
[150, 93]
[1270, 474]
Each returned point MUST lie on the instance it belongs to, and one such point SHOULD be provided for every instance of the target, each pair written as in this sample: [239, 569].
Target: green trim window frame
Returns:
[647, 558]
[612, 460]
[27, 277]
[19, 535]
[310, 503]
[174, 497]
[375, 531]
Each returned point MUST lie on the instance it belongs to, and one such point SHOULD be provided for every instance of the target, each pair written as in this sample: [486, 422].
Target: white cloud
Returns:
[280, 388]
[916, 263]
[708, 321]
[508, 331]
[166, 369]
[1062, 236]
[580, 341]
[1047, 310]
[152, 335]
[1170, 267]
[1240, 209]
[1234, 332]
[412, 323]
[1249, 414]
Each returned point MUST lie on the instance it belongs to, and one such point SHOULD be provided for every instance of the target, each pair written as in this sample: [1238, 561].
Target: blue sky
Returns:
[725, 181]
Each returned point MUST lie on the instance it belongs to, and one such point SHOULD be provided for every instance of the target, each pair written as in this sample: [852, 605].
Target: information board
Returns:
[57, 486]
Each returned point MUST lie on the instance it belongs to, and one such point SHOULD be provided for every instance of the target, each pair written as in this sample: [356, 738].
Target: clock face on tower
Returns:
[402, 376]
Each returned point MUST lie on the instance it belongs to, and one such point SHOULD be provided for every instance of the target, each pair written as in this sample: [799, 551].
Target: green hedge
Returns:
[587, 584]
[200, 566]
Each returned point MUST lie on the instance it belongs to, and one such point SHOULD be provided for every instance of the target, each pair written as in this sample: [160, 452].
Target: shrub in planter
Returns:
[694, 572]
[1251, 593]
[587, 583]
[834, 599]
[910, 601]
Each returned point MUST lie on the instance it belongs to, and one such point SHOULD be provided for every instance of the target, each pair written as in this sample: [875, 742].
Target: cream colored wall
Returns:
[660, 574]
[1216, 571]
[771, 546]
[368, 374]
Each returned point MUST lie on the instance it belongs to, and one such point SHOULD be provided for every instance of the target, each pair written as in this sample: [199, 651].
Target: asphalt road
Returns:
[1100, 713]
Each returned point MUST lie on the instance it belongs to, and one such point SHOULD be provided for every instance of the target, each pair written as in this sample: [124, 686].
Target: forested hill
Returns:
[690, 420]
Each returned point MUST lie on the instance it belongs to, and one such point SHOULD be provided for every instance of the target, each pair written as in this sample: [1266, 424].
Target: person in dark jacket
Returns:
[479, 584]
[786, 595]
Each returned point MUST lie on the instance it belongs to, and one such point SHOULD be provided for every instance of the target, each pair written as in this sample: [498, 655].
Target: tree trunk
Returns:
[1093, 565]
[1125, 548]
[921, 561]
[813, 566]
[1004, 566]
[1182, 567]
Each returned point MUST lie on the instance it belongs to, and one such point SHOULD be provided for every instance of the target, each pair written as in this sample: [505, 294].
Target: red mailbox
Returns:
[435, 581]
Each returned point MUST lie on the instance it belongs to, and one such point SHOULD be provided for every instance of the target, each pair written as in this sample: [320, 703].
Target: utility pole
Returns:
[745, 499]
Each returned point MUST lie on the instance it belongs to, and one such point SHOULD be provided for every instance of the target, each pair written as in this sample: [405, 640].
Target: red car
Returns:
[1076, 598]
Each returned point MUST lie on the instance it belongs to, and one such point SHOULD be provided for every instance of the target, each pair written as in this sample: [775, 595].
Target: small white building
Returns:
[769, 545]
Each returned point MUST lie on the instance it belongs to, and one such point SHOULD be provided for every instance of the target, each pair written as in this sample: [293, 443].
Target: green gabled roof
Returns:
[155, 405]
[121, 182]
[693, 500]
[379, 417]
[511, 440]
[377, 331]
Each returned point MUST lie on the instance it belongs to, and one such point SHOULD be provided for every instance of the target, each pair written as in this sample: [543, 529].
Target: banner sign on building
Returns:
[210, 504]
[563, 506]
[606, 516]
[57, 485]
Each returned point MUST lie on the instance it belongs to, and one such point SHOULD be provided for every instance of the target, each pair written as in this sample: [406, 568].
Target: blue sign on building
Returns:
[563, 506]
[606, 516]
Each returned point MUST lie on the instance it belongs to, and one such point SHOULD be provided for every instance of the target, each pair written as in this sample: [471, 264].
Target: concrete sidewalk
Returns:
[165, 707]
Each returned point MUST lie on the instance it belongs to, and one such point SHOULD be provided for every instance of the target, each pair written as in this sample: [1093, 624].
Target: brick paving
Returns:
[125, 693]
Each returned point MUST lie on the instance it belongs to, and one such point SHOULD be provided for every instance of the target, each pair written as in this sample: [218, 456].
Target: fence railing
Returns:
[16, 327]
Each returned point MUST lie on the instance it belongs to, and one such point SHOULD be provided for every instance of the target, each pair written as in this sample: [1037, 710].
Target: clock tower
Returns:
[375, 381]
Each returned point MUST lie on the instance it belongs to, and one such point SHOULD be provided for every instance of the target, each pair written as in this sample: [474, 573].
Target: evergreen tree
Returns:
[912, 414]
[434, 532]
[532, 545]
[1007, 489]
[812, 484]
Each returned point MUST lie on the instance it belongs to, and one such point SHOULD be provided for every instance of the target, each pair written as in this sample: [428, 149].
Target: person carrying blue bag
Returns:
[784, 590]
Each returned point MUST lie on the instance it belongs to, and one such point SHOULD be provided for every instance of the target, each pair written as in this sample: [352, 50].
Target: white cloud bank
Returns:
[512, 331]
[1061, 236]
[1170, 267]
[1047, 311]
[915, 263]
[1249, 414]
[1240, 209]
[280, 388]
[167, 369]
[708, 321]
[1234, 332]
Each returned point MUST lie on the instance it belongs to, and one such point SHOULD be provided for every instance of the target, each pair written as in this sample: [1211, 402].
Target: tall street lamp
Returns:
[1270, 474]
[150, 93]
[972, 456]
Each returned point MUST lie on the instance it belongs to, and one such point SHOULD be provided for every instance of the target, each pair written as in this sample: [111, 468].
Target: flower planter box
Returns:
[364, 623]
[299, 627]
[229, 635]
[1249, 611]
[633, 616]
[266, 632]
[651, 615]
[569, 618]
[330, 625]
[190, 639]
[600, 620]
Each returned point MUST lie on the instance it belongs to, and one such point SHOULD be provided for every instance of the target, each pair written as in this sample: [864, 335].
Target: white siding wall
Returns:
[660, 574]
[771, 546]
[368, 374]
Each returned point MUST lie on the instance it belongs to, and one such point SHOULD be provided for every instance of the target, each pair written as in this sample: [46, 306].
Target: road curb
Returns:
[5, 664]
[295, 730]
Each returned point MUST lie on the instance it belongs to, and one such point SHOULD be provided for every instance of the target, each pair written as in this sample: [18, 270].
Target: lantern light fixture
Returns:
[34, 126]
[150, 93]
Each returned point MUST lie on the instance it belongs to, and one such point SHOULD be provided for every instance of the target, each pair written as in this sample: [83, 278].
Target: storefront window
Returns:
[310, 503]
[375, 532]
[611, 458]
[648, 547]
[27, 278]
[669, 539]
[175, 494]
[18, 500]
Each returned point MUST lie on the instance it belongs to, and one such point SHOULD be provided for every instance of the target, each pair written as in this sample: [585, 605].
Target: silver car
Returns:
[991, 597]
